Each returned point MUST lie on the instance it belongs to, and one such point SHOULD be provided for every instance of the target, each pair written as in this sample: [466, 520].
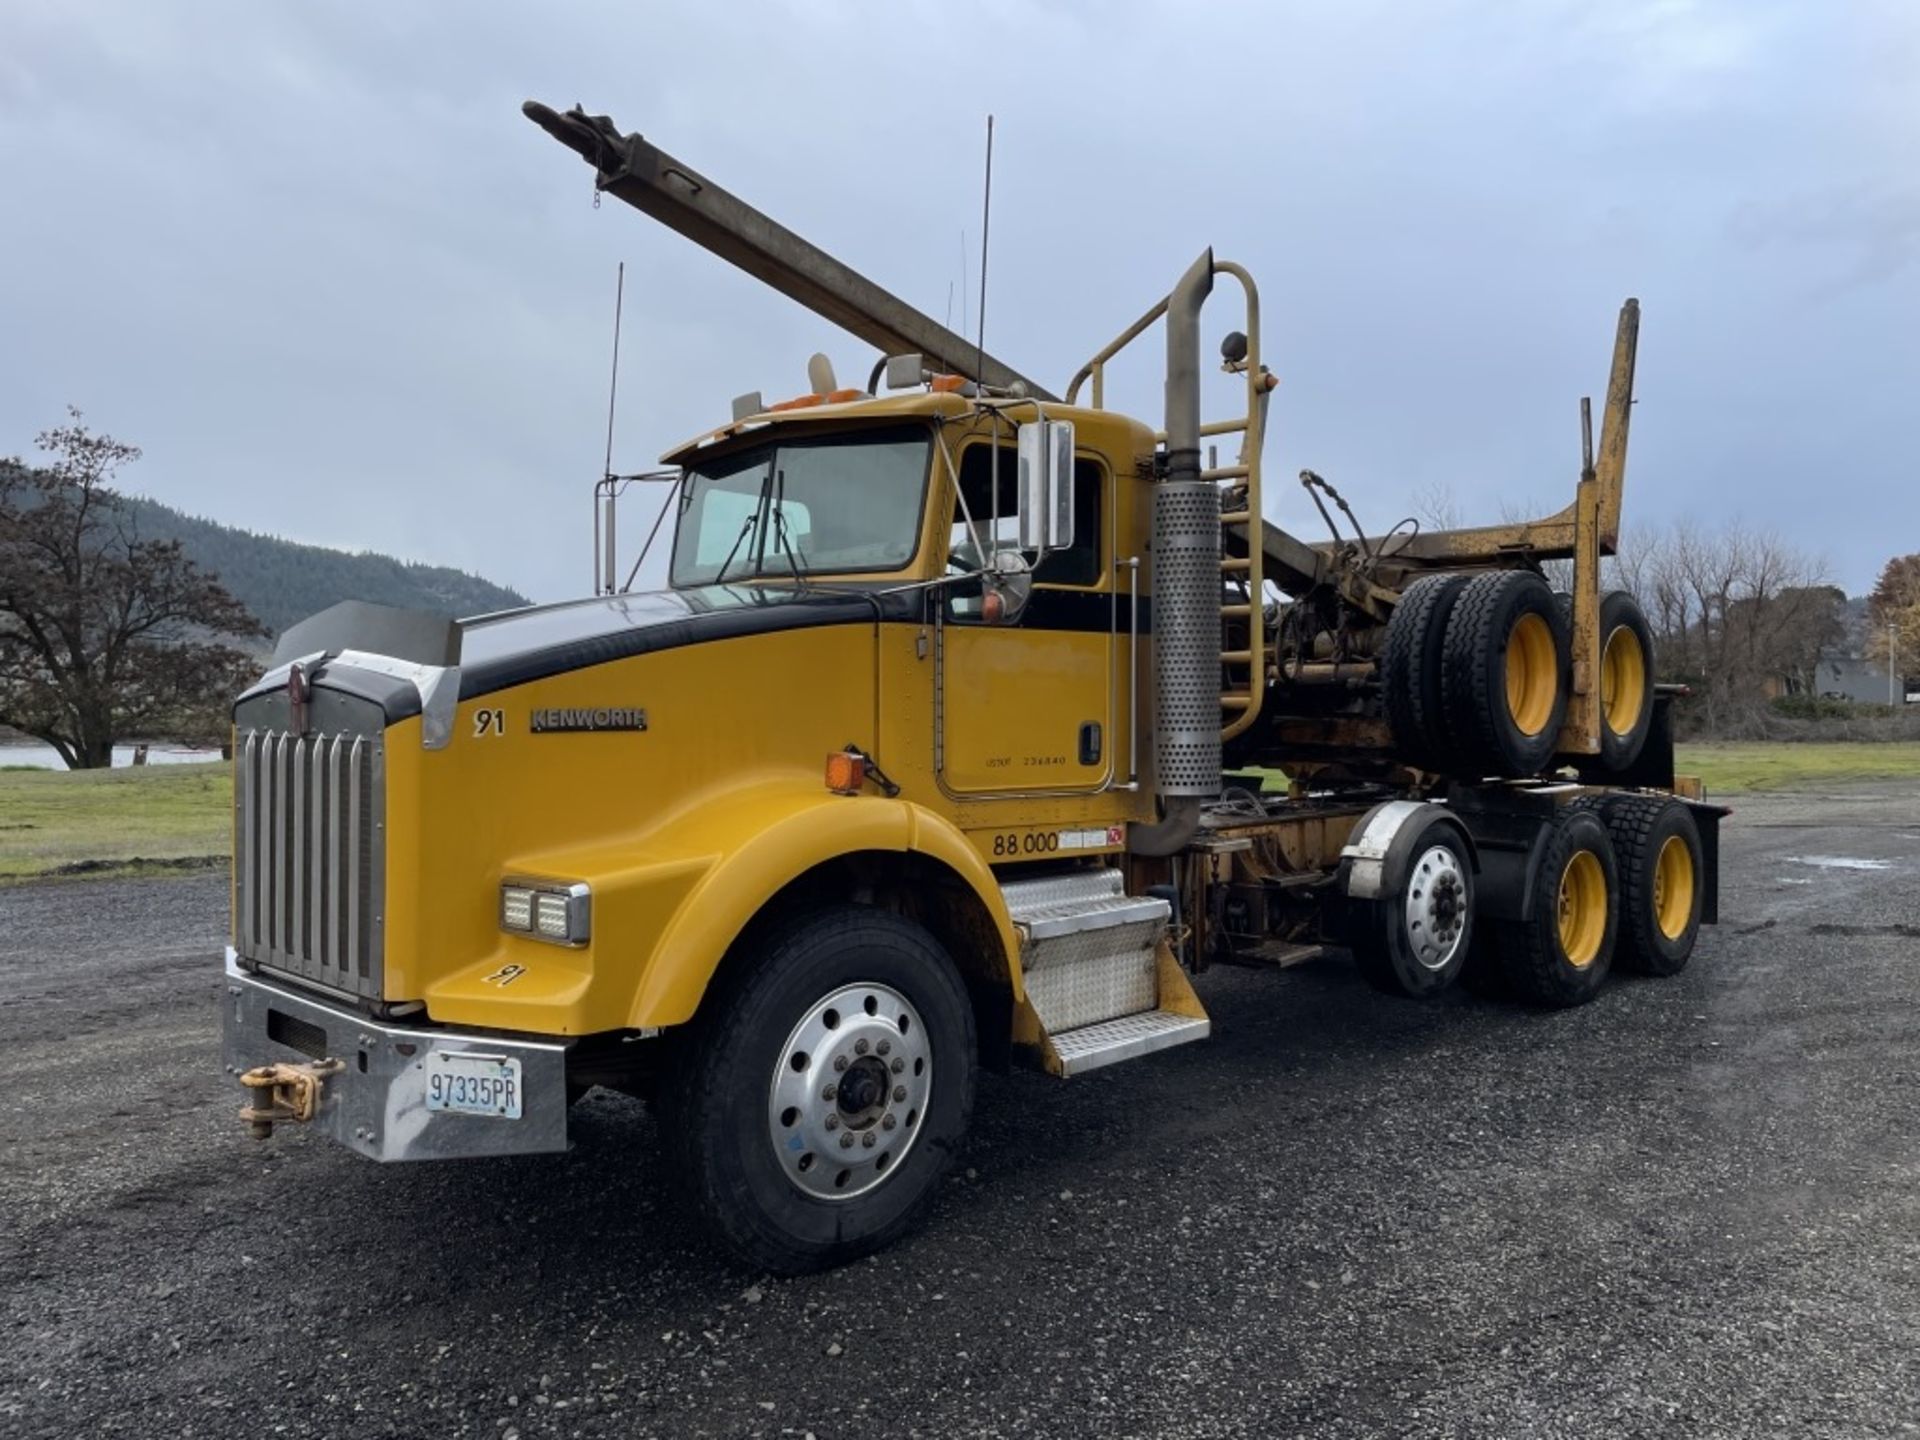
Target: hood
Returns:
[515, 646]
[398, 659]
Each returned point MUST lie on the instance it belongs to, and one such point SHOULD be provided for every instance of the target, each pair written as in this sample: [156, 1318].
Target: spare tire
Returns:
[1505, 674]
[1410, 662]
[1626, 680]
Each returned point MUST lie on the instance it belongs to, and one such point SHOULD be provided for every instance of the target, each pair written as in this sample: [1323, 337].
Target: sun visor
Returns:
[412, 635]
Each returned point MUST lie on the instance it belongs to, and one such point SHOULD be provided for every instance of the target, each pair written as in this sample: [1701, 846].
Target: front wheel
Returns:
[816, 1107]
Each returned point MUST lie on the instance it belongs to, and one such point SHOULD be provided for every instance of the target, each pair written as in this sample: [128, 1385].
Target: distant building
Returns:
[1851, 678]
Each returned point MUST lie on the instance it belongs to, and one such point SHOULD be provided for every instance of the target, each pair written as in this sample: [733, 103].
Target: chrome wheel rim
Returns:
[849, 1091]
[1436, 910]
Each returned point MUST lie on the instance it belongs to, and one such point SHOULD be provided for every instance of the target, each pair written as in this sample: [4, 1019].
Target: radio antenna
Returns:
[986, 214]
[965, 299]
[606, 499]
[613, 385]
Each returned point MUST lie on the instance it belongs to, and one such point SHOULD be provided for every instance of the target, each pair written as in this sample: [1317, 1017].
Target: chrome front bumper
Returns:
[377, 1102]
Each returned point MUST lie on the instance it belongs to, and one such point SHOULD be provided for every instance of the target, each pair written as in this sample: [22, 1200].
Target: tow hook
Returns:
[284, 1092]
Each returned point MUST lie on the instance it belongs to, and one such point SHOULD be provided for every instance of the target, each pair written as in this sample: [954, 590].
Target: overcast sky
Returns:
[310, 256]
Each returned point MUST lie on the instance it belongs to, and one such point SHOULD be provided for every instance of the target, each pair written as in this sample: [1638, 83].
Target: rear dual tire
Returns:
[1560, 954]
[1662, 866]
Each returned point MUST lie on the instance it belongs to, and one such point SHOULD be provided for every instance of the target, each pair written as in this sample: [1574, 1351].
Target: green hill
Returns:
[282, 582]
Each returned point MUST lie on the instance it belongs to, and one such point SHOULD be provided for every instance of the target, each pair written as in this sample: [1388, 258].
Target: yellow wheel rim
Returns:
[1623, 680]
[1533, 674]
[1582, 909]
[1673, 888]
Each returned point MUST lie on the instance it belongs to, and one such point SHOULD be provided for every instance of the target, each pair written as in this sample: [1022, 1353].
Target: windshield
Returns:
[837, 505]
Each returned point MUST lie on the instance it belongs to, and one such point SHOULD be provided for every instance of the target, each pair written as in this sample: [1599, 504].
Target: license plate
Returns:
[473, 1084]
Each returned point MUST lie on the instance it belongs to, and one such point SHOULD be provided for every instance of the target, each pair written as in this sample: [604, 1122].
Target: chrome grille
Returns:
[309, 814]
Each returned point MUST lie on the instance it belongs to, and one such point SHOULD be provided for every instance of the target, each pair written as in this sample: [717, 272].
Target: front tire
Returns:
[825, 1089]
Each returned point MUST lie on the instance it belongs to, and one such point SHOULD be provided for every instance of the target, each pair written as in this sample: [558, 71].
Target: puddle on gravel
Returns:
[1839, 862]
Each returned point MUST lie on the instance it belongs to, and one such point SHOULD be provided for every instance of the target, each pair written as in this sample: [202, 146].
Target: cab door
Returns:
[1029, 707]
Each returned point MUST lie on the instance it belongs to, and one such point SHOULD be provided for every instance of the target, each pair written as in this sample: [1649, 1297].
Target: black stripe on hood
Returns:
[514, 647]
[522, 645]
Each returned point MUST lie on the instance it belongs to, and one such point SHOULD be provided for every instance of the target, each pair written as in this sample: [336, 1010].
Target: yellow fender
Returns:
[758, 845]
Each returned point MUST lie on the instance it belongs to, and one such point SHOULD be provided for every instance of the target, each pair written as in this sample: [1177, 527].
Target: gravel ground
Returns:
[1692, 1207]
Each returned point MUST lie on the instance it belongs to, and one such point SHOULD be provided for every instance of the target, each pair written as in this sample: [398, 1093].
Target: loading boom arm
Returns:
[682, 199]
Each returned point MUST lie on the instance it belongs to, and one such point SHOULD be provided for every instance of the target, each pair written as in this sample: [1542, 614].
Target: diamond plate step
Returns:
[1112, 1041]
[1102, 914]
[1086, 949]
[1090, 958]
[1065, 891]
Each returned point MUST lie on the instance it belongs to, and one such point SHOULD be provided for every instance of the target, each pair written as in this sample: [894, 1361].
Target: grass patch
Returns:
[177, 819]
[1728, 769]
[142, 819]
[1736, 767]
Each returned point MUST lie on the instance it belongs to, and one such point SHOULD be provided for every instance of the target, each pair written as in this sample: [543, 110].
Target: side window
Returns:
[1079, 565]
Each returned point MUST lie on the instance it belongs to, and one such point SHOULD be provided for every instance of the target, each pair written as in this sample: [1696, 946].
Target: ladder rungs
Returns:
[1236, 657]
[1236, 612]
[1235, 702]
[1208, 430]
[1236, 562]
[1225, 472]
[1235, 517]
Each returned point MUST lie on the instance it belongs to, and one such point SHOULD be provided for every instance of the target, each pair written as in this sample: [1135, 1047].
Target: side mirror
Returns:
[1009, 587]
[1045, 459]
[905, 371]
[995, 596]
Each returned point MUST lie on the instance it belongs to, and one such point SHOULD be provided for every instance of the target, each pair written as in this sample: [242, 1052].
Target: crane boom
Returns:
[682, 199]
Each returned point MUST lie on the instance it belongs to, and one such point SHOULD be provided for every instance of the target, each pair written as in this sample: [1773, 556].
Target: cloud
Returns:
[311, 257]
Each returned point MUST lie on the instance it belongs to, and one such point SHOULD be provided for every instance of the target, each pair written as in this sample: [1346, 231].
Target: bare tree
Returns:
[1435, 507]
[1738, 614]
[103, 634]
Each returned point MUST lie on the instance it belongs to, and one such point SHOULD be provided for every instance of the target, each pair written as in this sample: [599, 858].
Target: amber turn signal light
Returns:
[846, 772]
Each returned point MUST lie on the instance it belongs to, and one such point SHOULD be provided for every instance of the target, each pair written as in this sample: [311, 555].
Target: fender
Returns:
[1374, 862]
[757, 848]
[668, 904]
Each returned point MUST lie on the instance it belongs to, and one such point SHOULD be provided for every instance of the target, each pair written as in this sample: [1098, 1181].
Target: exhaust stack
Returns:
[1186, 591]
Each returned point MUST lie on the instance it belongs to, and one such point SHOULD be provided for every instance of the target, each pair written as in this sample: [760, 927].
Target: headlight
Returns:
[543, 910]
[516, 907]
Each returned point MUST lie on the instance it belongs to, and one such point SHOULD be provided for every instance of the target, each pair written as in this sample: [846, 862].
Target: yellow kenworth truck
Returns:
[973, 720]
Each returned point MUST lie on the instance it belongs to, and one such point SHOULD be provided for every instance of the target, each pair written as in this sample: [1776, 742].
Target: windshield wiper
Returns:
[746, 529]
[780, 527]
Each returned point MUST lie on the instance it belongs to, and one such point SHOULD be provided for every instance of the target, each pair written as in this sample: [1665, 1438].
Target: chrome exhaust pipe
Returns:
[1186, 592]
